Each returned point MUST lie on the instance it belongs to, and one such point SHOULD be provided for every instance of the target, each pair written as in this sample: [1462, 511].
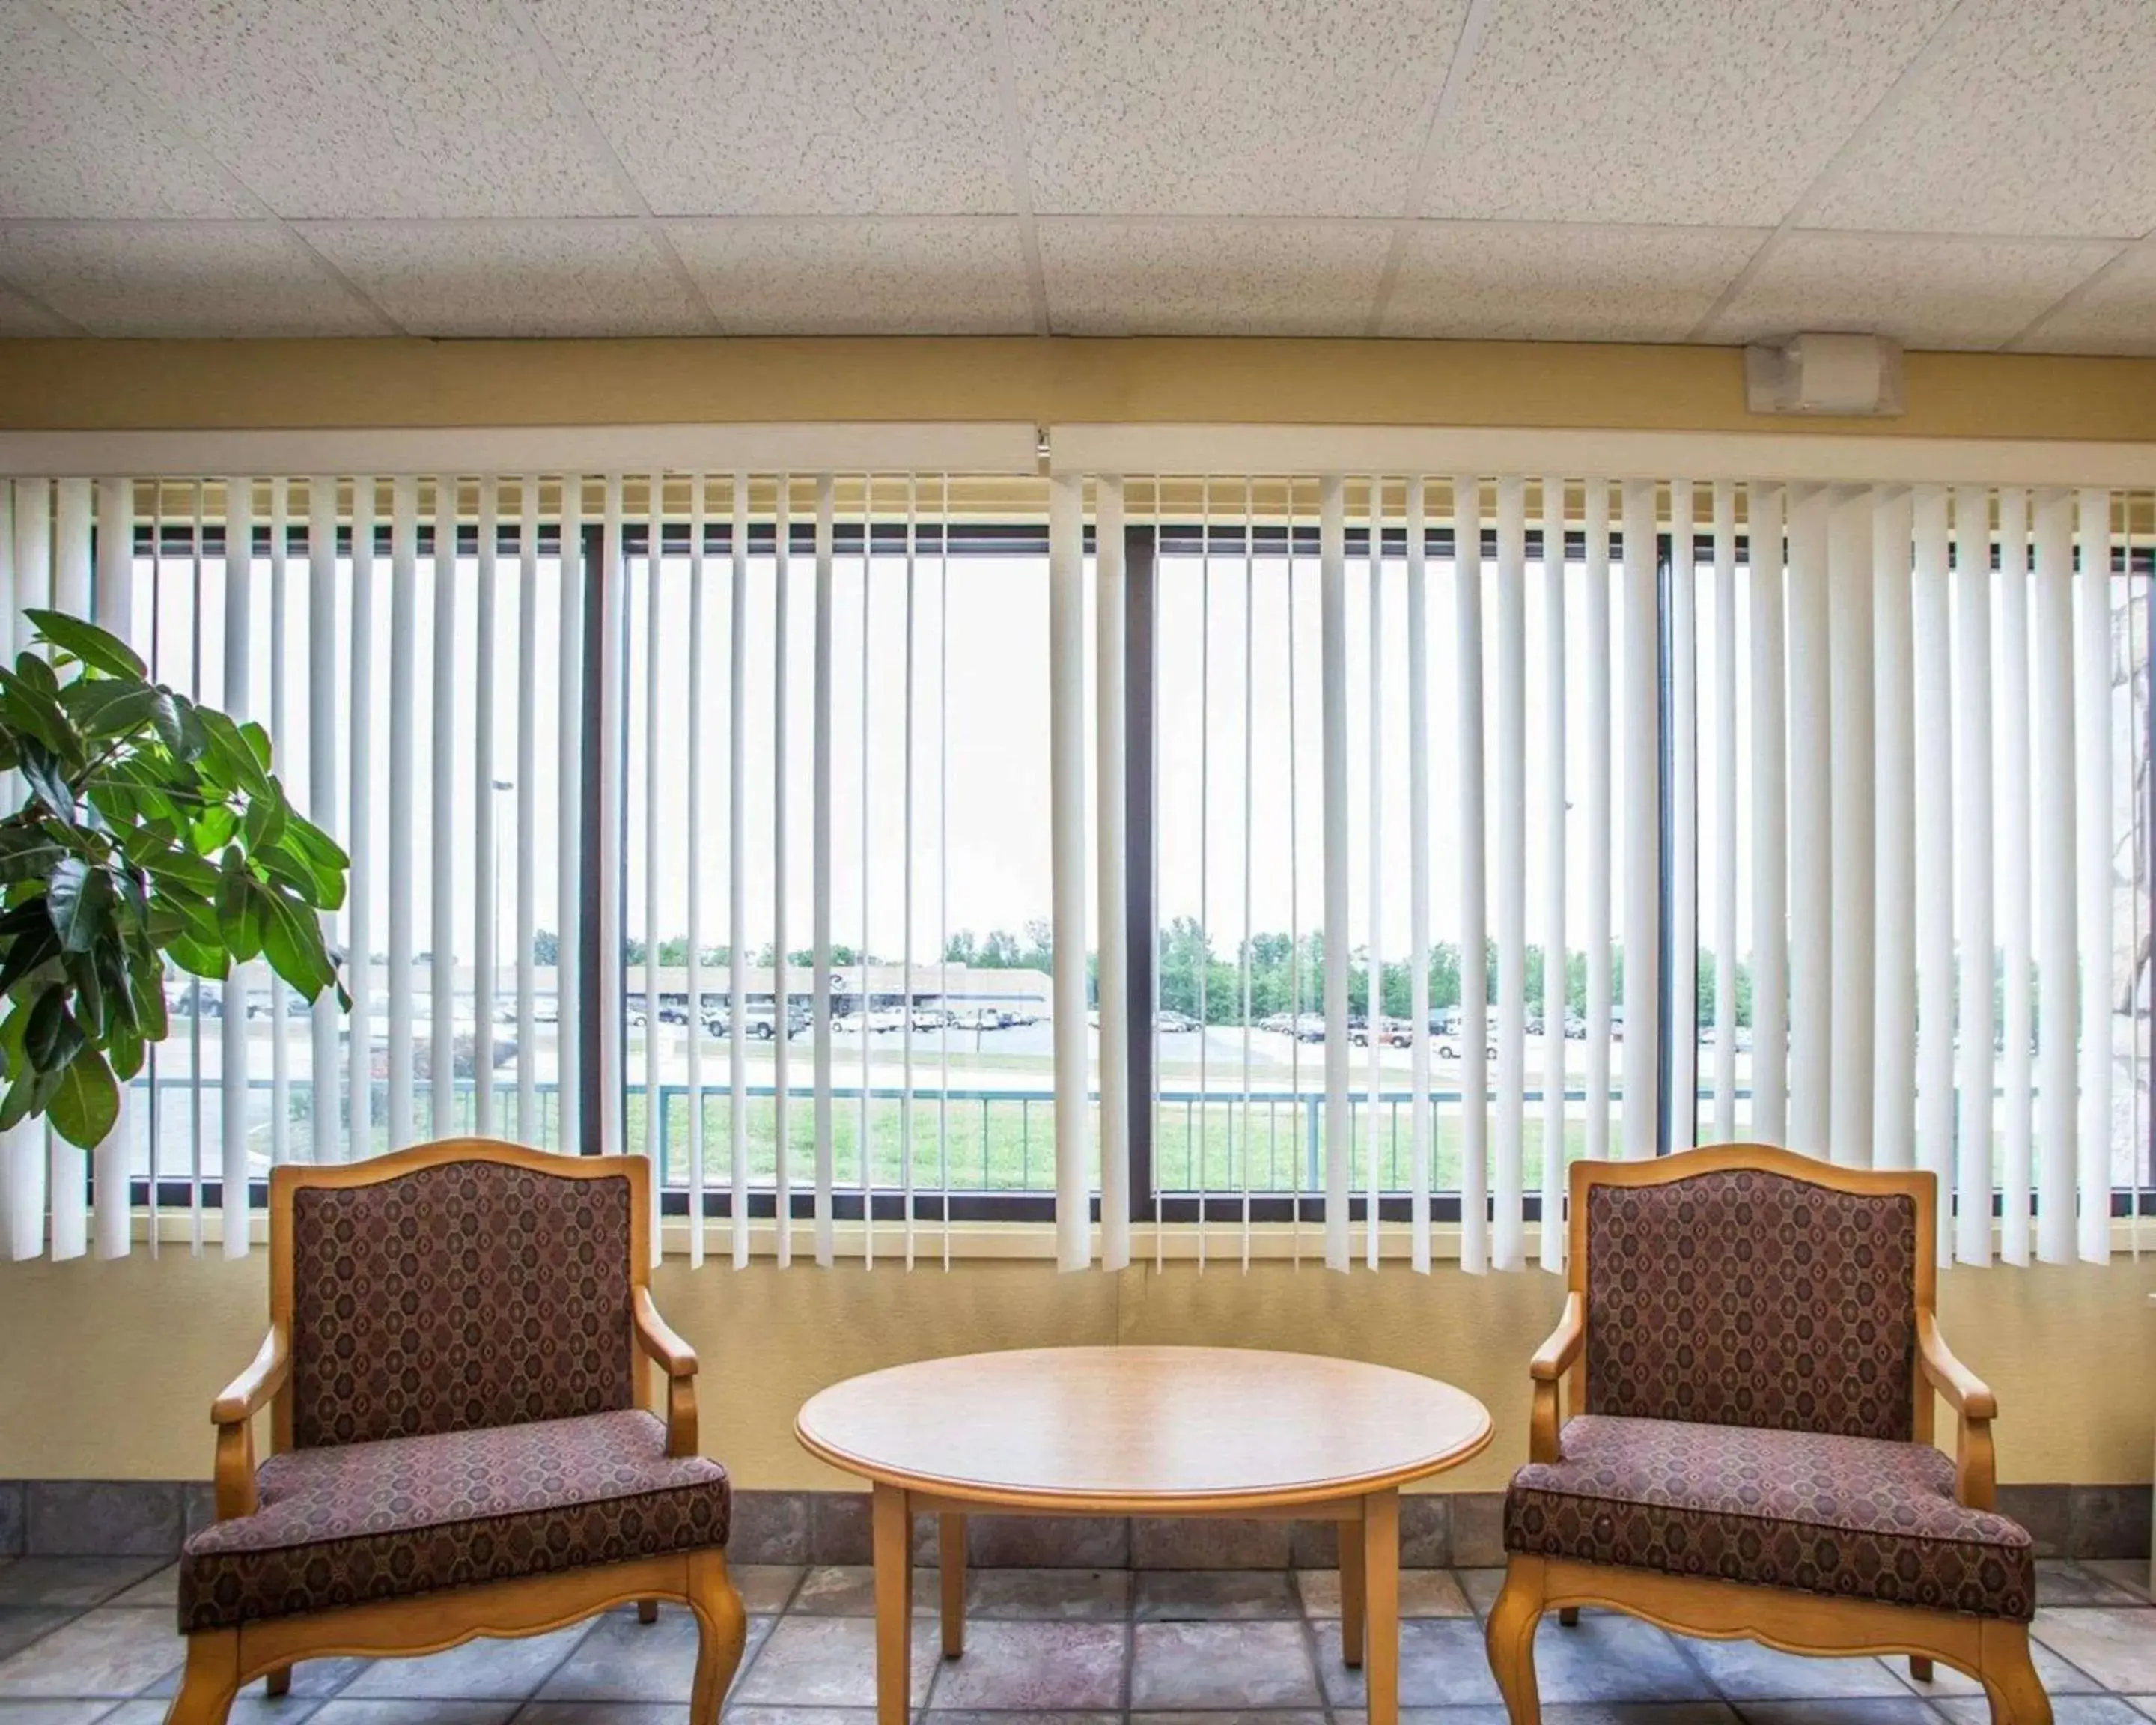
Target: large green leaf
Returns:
[80, 898]
[52, 1035]
[105, 707]
[27, 853]
[85, 1102]
[88, 643]
[47, 776]
[292, 940]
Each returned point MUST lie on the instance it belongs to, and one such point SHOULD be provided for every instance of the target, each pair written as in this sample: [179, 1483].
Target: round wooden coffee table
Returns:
[1142, 1431]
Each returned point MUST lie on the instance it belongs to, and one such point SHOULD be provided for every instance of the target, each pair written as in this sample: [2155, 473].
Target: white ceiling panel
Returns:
[20, 316]
[180, 279]
[1273, 107]
[2040, 118]
[1923, 292]
[1211, 277]
[76, 141]
[1562, 282]
[1688, 112]
[791, 107]
[841, 276]
[2116, 315]
[590, 278]
[384, 108]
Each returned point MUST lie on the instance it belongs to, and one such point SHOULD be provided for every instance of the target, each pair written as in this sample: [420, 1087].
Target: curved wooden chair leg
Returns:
[1568, 1615]
[647, 1611]
[277, 1681]
[210, 1680]
[722, 1628]
[1920, 1668]
[1511, 1640]
[2010, 1677]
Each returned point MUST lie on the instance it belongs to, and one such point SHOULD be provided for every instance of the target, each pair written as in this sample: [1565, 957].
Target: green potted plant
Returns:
[151, 831]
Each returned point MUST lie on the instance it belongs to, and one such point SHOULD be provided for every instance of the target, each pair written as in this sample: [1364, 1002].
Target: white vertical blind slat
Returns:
[906, 1169]
[864, 1144]
[527, 806]
[239, 705]
[280, 1046]
[1974, 914]
[1810, 849]
[737, 881]
[1474, 905]
[2054, 889]
[113, 609]
[1764, 508]
[1934, 803]
[1643, 821]
[698, 524]
[1066, 760]
[442, 965]
[1684, 820]
[2093, 846]
[1507, 1237]
[67, 1175]
[1113, 597]
[1851, 974]
[569, 886]
[609, 1102]
[781, 979]
[1557, 971]
[359, 834]
[325, 1117]
[486, 961]
[1332, 691]
[819, 842]
[1600, 870]
[1729, 818]
[1373, 967]
[1893, 721]
[654, 547]
[2015, 910]
[403, 648]
[25, 576]
[1420, 1122]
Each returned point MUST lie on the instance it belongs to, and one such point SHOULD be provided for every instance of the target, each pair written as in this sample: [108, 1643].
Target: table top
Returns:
[1126, 1429]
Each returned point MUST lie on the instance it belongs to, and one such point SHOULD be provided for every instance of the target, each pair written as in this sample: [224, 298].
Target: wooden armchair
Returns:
[1750, 1351]
[452, 1373]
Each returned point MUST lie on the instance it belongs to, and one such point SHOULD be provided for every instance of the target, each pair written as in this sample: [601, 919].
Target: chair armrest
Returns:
[678, 1360]
[1966, 1392]
[673, 1356]
[265, 1374]
[233, 1414]
[1554, 1357]
[1976, 1465]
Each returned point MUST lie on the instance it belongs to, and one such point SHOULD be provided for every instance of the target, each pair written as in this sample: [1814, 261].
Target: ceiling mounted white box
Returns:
[1825, 374]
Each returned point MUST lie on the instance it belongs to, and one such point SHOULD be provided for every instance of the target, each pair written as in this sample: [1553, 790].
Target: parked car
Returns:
[762, 1023]
[1173, 1023]
[929, 1018]
[1310, 1027]
[1449, 1048]
[1392, 1033]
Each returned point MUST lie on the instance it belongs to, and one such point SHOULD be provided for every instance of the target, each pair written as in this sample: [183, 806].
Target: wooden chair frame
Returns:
[220, 1661]
[1994, 1651]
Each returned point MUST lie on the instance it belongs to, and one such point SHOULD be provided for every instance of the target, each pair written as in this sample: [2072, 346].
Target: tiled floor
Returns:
[85, 1640]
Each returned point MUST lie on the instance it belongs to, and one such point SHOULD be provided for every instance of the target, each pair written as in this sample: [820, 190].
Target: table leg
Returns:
[1380, 1540]
[1350, 1592]
[893, 1531]
[950, 1554]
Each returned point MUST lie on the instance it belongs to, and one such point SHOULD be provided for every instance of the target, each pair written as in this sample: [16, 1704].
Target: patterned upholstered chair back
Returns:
[1753, 1295]
[470, 1290]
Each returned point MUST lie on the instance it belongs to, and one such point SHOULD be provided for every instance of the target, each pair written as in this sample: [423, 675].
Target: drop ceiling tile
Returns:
[1682, 112]
[953, 275]
[21, 317]
[179, 279]
[75, 141]
[792, 107]
[1923, 292]
[2118, 314]
[388, 108]
[1274, 107]
[596, 277]
[1550, 282]
[2037, 119]
[1211, 277]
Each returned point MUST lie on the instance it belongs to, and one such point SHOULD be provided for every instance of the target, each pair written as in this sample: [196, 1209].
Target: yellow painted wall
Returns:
[110, 1366]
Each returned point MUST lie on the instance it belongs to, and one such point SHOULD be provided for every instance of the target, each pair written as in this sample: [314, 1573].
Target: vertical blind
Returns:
[780, 827]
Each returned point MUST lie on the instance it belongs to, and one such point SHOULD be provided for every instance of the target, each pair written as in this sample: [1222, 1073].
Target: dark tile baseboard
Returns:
[1438, 1530]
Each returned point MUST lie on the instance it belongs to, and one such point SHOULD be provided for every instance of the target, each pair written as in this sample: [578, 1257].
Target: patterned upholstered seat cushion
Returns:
[1857, 1517]
[346, 1524]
